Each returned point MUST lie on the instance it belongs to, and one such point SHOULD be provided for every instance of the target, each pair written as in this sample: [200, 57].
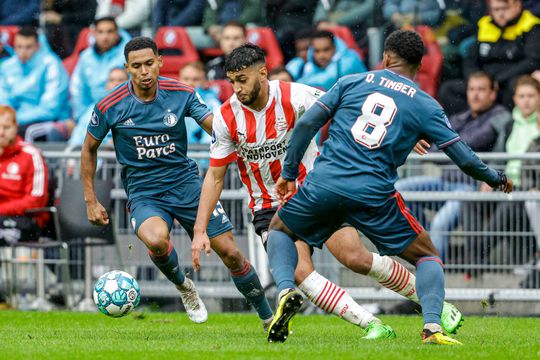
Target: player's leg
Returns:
[154, 233]
[348, 248]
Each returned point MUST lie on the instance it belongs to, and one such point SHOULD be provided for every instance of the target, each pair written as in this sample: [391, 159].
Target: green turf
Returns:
[61, 335]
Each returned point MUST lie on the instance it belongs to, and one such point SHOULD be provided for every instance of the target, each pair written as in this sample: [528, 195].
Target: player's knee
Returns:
[156, 240]
[232, 258]
[358, 262]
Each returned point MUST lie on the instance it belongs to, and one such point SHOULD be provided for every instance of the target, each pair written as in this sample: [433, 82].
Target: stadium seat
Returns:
[345, 34]
[223, 87]
[176, 48]
[84, 40]
[7, 34]
[266, 39]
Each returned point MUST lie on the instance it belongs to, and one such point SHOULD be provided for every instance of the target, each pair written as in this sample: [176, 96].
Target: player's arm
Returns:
[463, 156]
[211, 190]
[198, 110]
[207, 124]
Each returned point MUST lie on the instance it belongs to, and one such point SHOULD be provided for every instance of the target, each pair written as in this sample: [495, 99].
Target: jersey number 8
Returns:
[378, 112]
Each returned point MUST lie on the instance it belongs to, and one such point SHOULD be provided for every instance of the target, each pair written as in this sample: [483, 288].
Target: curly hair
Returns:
[243, 57]
[406, 44]
[139, 43]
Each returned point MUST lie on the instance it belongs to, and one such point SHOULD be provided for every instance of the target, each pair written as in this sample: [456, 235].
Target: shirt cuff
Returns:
[224, 161]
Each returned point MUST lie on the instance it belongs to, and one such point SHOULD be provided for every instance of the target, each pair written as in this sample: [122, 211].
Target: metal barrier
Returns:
[490, 241]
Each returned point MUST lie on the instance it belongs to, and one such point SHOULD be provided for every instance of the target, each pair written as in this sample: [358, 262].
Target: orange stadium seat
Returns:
[84, 40]
[7, 34]
[265, 38]
[223, 87]
[345, 34]
[176, 48]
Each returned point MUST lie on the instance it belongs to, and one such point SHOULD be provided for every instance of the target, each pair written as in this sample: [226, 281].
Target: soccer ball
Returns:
[116, 293]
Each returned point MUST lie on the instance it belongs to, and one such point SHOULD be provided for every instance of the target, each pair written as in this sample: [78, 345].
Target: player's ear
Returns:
[385, 60]
[263, 72]
[160, 61]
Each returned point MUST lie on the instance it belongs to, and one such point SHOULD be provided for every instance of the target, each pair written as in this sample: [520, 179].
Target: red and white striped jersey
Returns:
[258, 140]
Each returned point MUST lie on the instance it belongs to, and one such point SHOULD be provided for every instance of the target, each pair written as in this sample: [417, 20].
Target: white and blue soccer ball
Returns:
[116, 293]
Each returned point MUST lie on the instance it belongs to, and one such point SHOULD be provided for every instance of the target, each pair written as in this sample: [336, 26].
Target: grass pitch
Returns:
[62, 335]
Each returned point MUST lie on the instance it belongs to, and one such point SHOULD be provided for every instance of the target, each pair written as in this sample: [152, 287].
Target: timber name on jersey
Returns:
[150, 138]
[258, 140]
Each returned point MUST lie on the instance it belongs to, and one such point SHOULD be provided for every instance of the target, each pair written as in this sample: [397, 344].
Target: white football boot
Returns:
[192, 302]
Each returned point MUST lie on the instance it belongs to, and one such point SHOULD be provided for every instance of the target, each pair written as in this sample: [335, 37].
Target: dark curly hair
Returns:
[139, 43]
[406, 44]
[243, 57]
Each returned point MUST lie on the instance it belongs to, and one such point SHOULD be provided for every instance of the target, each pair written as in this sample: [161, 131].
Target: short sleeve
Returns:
[222, 147]
[98, 126]
[437, 129]
[330, 101]
[197, 109]
[303, 97]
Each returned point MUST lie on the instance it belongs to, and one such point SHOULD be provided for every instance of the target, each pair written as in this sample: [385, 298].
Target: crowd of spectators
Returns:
[488, 82]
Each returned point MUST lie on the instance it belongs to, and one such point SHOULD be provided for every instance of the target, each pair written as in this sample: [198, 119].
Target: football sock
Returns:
[169, 265]
[333, 299]
[430, 288]
[394, 276]
[248, 283]
[283, 258]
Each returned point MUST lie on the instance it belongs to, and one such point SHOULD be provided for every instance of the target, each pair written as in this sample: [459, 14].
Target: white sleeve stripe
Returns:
[38, 184]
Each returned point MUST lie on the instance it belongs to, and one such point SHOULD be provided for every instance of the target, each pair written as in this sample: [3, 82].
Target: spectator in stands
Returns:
[177, 13]
[302, 41]
[5, 52]
[220, 12]
[94, 65]
[130, 15]
[506, 47]
[412, 12]
[232, 36]
[117, 76]
[482, 127]
[280, 73]
[23, 183]
[64, 19]
[509, 216]
[358, 15]
[35, 84]
[328, 60]
[193, 75]
[16, 12]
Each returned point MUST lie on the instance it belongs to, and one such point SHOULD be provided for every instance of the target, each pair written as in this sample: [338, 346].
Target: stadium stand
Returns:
[176, 48]
[7, 34]
[266, 39]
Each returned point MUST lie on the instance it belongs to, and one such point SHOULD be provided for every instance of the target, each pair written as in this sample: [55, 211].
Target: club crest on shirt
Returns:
[94, 120]
[170, 119]
[281, 124]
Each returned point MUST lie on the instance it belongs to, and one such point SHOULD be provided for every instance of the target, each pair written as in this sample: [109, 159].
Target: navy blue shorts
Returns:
[181, 205]
[314, 214]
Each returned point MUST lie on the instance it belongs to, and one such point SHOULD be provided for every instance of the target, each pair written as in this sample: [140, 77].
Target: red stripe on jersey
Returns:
[288, 109]
[175, 83]
[271, 132]
[251, 126]
[275, 169]
[112, 103]
[245, 179]
[405, 211]
[111, 96]
[230, 120]
[176, 88]
[224, 161]
[267, 199]
[302, 173]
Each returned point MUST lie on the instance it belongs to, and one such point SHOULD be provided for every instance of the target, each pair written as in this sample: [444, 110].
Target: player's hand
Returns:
[97, 214]
[285, 189]
[200, 242]
[421, 147]
[506, 185]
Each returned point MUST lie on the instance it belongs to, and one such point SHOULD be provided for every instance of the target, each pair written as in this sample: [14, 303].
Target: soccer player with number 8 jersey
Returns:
[377, 118]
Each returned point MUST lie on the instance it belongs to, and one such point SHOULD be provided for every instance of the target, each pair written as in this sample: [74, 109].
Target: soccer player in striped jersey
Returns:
[147, 118]
[253, 128]
[377, 119]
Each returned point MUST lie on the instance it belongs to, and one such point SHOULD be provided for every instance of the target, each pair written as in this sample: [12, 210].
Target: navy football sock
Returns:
[248, 283]
[283, 258]
[430, 288]
[169, 265]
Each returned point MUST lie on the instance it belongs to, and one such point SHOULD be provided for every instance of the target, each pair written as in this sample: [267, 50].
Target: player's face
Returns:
[8, 130]
[116, 77]
[323, 50]
[480, 95]
[193, 77]
[504, 11]
[527, 99]
[106, 35]
[25, 47]
[231, 38]
[143, 66]
[247, 83]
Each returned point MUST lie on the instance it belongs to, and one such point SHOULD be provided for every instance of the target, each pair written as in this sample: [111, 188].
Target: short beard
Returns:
[253, 95]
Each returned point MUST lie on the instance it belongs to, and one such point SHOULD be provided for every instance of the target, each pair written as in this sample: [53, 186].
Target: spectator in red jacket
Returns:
[23, 183]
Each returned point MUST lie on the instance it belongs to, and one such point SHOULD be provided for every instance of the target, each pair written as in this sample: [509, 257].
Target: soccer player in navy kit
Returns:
[378, 117]
[146, 116]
